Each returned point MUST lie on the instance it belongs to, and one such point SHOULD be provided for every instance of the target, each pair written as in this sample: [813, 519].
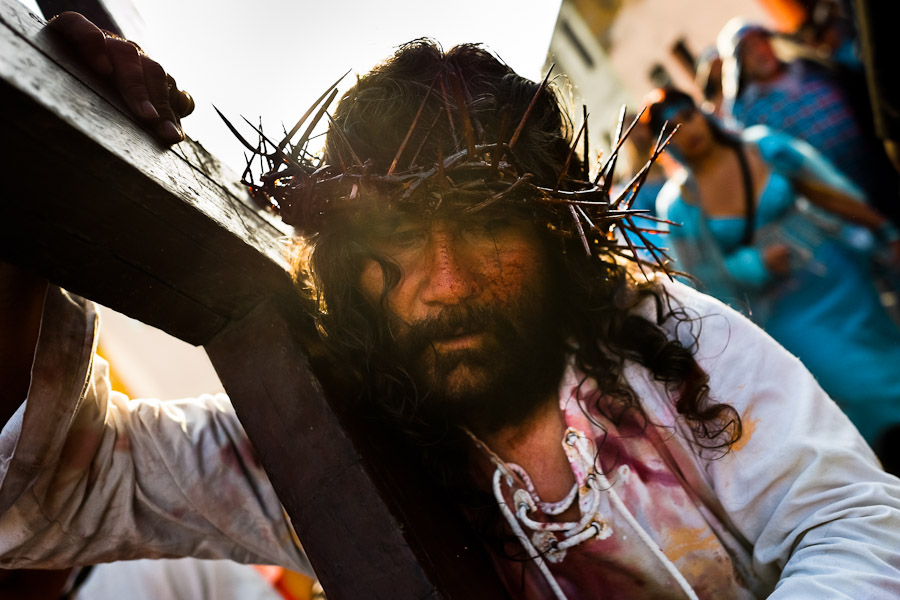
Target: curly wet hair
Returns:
[595, 296]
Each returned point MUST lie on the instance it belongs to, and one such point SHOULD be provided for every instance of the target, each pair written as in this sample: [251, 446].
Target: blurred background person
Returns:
[807, 101]
[797, 270]
[829, 31]
[708, 78]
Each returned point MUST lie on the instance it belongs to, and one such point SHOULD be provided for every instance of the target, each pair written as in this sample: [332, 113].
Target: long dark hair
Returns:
[595, 296]
[661, 99]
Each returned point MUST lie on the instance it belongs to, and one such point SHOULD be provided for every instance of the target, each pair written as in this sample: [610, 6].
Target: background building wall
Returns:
[607, 49]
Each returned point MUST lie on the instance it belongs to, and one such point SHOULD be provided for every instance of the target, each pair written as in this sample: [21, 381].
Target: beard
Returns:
[510, 363]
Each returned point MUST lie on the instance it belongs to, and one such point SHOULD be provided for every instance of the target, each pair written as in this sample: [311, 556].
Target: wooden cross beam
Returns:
[166, 236]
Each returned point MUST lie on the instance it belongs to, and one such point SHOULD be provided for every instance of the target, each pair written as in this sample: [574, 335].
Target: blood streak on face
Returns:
[470, 313]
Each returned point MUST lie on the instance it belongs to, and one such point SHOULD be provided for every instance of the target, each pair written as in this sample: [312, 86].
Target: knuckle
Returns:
[129, 70]
[121, 48]
[131, 80]
[79, 31]
[133, 92]
[68, 19]
[153, 68]
[62, 19]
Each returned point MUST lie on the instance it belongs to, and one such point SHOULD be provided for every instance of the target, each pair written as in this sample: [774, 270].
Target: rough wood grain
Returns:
[257, 358]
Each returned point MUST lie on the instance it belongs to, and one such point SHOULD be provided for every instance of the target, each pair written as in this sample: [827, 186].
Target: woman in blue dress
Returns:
[769, 227]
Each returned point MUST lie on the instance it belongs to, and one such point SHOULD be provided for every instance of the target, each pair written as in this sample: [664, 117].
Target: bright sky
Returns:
[272, 58]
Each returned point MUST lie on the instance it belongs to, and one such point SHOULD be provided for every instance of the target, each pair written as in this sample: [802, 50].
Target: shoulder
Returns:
[763, 135]
[672, 194]
[686, 304]
[778, 149]
[722, 338]
[814, 72]
[687, 313]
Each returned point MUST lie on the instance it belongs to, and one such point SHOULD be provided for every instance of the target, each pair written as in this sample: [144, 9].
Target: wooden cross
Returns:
[168, 237]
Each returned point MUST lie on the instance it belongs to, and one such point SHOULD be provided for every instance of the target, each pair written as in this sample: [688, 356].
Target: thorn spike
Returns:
[621, 141]
[344, 139]
[426, 137]
[231, 128]
[521, 125]
[301, 143]
[586, 169]
[446, 97]
[584, 242]
[457, 88]
[565, 168]
[412, 127]
[296, 127]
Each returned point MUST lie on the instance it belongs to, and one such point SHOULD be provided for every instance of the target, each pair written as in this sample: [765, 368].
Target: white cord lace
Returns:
[544, 542]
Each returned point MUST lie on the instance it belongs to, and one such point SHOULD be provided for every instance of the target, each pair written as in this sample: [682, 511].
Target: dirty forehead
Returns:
[385, 215]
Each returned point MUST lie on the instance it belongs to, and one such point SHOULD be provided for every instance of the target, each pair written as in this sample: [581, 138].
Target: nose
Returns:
[451, 278]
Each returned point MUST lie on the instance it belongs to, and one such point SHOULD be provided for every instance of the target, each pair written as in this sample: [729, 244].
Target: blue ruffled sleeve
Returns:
[799, 160]
[746, 266]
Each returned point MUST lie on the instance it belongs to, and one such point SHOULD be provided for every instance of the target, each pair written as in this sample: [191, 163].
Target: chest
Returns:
[650, 538]
[723, 187]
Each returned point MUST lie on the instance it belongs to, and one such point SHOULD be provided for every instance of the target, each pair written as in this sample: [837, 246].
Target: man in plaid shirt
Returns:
[796, 98]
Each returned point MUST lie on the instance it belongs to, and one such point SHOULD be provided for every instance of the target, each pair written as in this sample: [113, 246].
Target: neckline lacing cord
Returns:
[591, 525]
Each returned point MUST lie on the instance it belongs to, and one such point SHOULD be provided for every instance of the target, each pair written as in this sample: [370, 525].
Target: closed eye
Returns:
[399, 240]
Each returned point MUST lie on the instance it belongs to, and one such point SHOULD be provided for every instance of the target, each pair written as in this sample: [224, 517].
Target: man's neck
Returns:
[536, 446]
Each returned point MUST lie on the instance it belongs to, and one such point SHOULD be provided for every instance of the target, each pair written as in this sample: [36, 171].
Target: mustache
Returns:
[451, 322]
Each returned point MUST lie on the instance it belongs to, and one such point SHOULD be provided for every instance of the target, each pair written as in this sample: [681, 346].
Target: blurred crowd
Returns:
[783, 180]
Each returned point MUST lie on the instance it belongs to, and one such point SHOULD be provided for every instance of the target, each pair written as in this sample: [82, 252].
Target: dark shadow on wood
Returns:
[93, 9]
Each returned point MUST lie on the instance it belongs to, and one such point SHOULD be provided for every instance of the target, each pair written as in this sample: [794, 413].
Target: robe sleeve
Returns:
[88, 475]
[801, 486]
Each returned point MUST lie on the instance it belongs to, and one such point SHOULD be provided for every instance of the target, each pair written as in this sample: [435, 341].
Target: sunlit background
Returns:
[272, 58]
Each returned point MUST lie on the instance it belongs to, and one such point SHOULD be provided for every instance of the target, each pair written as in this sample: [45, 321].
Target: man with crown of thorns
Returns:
[610, 432]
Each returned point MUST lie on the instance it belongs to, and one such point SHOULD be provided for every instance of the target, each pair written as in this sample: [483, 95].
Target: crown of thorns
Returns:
[285, 178]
